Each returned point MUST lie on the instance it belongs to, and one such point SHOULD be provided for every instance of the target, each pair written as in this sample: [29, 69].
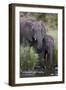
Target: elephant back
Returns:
[49, 40]
[27, 18]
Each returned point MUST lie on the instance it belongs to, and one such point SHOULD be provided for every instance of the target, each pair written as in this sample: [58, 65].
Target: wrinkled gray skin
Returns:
[48, 46]
[34, 31]
[31, 29]
[39, 33]
[26, 32]
[46, 55]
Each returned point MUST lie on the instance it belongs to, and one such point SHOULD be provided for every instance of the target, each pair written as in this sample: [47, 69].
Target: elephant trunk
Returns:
[39, 45]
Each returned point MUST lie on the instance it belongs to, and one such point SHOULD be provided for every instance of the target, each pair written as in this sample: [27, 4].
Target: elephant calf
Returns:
[48, 46]
[46, 54]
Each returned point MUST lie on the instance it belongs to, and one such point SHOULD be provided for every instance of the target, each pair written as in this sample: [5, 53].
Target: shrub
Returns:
[28, 57]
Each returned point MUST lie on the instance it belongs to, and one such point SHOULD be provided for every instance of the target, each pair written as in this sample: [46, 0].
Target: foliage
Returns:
[28, 58]
[50, 20]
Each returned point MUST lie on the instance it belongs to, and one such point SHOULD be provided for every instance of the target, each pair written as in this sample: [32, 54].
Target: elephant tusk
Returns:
[35, 38]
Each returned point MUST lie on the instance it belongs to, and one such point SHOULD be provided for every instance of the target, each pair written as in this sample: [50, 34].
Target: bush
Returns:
[28, 58]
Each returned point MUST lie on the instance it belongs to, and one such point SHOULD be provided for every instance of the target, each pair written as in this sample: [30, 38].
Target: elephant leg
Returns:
[45, 57]
[50, 61]
[51, 57]
[41, 61]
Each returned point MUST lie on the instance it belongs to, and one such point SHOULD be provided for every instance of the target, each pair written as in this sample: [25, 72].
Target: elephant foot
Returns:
[54, 70]
[49, 70]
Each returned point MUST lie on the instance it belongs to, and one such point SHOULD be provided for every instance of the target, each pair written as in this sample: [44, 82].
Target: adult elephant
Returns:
[32, 31]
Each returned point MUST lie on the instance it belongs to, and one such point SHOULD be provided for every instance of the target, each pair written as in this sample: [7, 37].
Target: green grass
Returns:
[28, 57]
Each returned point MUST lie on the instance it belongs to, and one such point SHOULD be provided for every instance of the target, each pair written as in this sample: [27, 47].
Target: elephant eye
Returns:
[44, 41]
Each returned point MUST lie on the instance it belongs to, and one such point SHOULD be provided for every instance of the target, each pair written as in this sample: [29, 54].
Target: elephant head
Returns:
[39, 33]
[31, 29]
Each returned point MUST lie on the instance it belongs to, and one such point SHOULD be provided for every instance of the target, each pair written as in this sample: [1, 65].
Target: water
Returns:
[38, 73]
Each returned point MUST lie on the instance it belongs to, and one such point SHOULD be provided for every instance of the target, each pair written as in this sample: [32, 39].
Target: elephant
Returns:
[46, 55]
[32, 31]
[48, 50]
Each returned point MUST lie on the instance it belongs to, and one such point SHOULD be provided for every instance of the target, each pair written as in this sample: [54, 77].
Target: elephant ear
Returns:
[28, 32]
[43, 30]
